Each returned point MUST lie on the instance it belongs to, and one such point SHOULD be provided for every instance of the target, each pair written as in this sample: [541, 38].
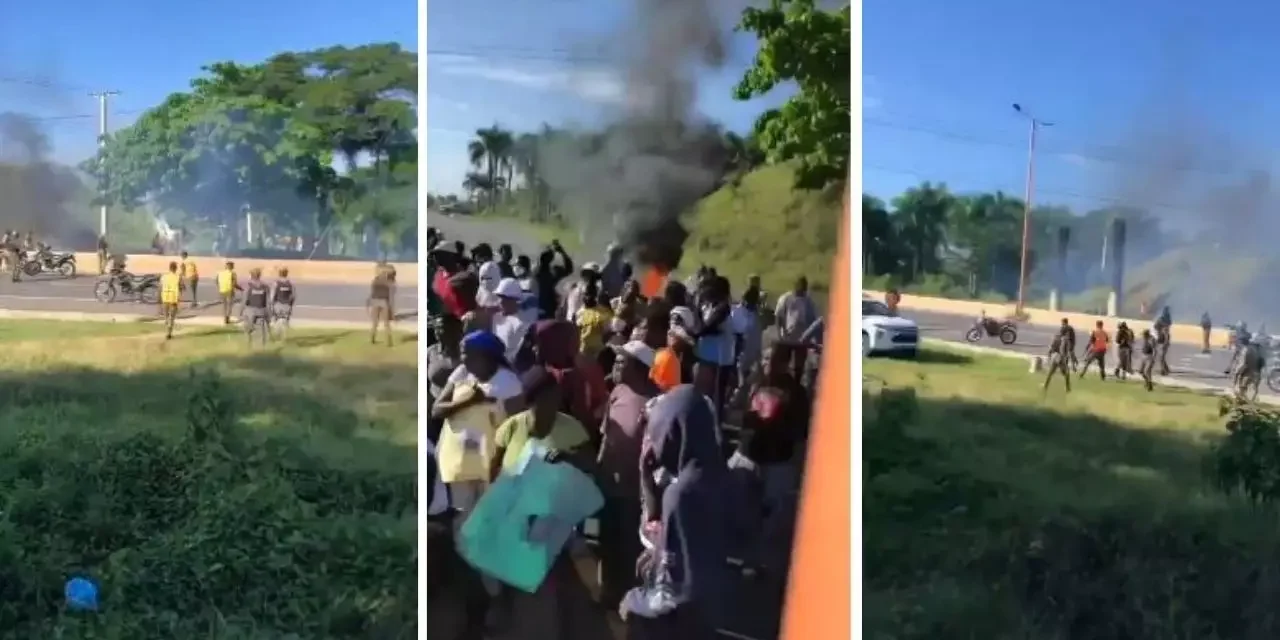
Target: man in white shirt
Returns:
[794, 313]
[509, 324]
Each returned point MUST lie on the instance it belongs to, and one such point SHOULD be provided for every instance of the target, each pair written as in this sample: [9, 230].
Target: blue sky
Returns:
[1154, 102]
[520, 63]
[148, 49]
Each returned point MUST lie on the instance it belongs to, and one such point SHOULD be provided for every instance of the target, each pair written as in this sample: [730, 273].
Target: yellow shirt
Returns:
[226, 281]
[169, 287]
[465, 445]
[592, 323]
[566, 434]
[189, 270]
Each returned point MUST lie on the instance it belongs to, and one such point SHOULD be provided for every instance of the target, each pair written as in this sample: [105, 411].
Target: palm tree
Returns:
[491, 152]
[921, 215]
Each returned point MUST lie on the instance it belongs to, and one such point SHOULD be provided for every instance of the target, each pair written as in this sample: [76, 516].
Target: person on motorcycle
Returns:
[1096, 351]
[256, 315]
[227, 288]
[1124, 350]
[190, 276]
[283, 297]
[170, 292]
[1060, 354]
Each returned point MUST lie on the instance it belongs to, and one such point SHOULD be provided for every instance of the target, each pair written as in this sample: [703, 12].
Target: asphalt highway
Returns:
[316, 301]
[1186, 361]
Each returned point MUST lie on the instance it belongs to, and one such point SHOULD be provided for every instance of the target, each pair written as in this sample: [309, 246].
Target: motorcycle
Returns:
[63, 264]
[1006, 330]
[144, 289]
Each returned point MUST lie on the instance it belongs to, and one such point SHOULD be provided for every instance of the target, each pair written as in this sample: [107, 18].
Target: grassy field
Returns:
[210, 491]
[991, 512]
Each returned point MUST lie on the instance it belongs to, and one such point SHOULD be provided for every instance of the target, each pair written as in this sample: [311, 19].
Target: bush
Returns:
[211, 535]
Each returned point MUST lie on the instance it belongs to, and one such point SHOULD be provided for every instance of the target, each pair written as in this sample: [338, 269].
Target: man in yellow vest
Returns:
[190, 276]
[170, 290]
[227, 288]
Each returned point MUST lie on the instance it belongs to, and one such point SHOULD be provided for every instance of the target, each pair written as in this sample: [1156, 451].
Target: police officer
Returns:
[283, 297]
[190, 276]
[103, 252]
[1162, 347]
[1069, 335]
[1060, 353]
[1148, 365]
[227, 288]
[1249, 375]
[170, 291]
[382, 293]
[256, 315]
[1124, 350]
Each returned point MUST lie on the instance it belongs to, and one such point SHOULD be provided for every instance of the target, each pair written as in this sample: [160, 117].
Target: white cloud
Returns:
[599, 85]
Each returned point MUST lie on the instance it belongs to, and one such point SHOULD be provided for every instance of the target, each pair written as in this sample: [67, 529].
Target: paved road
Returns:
[473, 230]
[316, 301]
[1185, 360]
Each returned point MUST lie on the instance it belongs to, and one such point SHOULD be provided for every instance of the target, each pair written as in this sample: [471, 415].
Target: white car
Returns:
[887, 334]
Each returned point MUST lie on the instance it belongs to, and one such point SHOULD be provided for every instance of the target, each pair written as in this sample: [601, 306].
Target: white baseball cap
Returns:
[684, 317]
[509, 288]
[636, 349]
[591, 266]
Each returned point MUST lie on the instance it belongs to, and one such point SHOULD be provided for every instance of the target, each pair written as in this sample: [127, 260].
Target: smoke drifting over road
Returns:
[658, 156]
[34, 191]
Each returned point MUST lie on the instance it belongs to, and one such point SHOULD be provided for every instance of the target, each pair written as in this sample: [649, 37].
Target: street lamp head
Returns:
[1017, 107]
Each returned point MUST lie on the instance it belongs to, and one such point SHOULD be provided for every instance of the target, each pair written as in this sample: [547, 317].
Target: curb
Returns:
[1164, 381]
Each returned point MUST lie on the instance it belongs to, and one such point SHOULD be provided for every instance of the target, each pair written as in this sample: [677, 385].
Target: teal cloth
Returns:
[522, 522]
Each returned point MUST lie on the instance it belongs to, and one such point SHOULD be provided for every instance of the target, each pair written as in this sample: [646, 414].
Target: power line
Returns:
[986, 141]
[1062, 193]
[37, 82]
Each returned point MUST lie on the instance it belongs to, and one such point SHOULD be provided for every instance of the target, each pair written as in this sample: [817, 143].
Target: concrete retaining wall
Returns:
[1183, 333]
[334, 271]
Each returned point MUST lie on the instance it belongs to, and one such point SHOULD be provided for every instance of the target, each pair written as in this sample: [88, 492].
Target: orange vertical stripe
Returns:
[817, 603]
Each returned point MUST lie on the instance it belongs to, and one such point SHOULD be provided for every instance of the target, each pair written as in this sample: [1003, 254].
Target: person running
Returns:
[190, 276]
[170, 293]
[1059, 357]
[257, 317]
[1124, 350]
[283, 297]
[1096, 351]
[227, 288]
[380, 304]
[1069, 334]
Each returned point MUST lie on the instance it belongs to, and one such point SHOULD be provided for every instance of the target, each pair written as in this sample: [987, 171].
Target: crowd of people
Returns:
[691, 422]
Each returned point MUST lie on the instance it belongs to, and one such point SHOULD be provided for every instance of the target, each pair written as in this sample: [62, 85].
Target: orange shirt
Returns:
[665, 371]
[1098, 341]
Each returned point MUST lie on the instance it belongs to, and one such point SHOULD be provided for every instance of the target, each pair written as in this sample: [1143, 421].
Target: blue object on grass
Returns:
[82, 594]
[547, 500]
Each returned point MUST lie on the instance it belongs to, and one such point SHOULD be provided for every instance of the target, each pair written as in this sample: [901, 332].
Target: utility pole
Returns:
[103, 97]
[1035, 124]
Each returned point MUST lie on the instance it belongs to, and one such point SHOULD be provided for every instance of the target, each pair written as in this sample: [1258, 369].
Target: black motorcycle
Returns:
[144, 289]
[63, 264]
[1006, 330]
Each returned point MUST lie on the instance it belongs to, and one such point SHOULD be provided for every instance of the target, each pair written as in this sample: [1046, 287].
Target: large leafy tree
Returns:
[920, 217]
[802, 44]
[310, 141]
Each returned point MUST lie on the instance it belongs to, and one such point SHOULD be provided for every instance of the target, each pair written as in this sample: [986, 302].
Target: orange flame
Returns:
[652, 282]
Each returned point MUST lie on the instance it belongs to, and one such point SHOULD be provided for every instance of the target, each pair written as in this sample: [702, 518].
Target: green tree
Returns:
[920, 217]
[808, 46]
[986, 229]
[491, 152]
[881, 253]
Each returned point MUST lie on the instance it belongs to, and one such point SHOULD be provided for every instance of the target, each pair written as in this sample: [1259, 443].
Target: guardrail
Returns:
[1181, 333]
[335, 271]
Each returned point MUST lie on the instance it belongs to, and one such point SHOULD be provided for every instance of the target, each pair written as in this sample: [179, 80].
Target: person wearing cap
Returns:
[622, 431]
[589, 275]
[673, 365]
[614, 273]
[508, 323]
[547, 275]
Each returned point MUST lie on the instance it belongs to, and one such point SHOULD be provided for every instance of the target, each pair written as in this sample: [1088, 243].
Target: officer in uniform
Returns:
[1162, 347]
[227, 288]
[283, 297]
[1124, 349]
[1249, 375]
[1148, 365]
[170, 290]
[256, 315]
[103, 252]
[1069, 336]
[382, 293]
[190, 276]
[1060, 354]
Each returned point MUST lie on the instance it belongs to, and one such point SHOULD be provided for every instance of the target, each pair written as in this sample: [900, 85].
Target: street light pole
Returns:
[1034, 124]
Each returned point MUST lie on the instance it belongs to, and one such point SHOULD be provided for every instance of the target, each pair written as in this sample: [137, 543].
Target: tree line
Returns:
[317, 146]
[799, 43]
[935, 242]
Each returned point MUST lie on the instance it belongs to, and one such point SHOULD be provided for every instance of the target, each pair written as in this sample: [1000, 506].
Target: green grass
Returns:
[994, 512]
[211, 491]
[21, 330]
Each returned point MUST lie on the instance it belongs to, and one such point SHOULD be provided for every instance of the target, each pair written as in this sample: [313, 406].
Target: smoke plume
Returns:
[658, 156]
[34, 191]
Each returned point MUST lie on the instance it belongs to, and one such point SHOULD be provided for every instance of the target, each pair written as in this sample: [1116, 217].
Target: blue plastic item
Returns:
[522, 522]
[81, 594]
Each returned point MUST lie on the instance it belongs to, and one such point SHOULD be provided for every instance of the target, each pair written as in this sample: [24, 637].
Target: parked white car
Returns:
[884, 333]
